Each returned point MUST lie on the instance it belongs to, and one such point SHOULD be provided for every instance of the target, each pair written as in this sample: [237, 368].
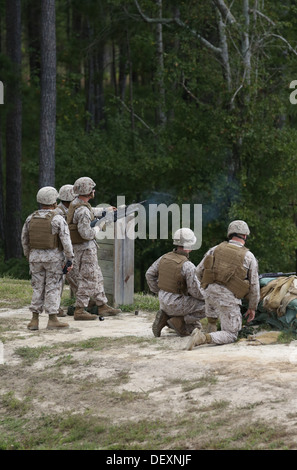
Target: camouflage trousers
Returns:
[221, 303]
[177, 305]
[88, 276]
[46, 281]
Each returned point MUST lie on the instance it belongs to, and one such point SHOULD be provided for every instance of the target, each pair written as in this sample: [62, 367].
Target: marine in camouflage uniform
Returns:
[86, 270]
[229, 273]
[47, 245]
[66, 195]
[173, 278]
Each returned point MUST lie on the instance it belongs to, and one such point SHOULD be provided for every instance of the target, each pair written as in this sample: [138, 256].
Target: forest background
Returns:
[185, 102]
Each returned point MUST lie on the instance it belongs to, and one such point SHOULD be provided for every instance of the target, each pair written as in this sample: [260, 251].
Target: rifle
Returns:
[279, 274]
[112, 216]
[67, 265]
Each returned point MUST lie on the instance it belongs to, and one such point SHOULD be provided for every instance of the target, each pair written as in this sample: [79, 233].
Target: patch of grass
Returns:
[257, 436]
[30, 355]
[204, 381]
[14, 293]
[85, 431]
[66, 360]
[17, 293]
[147, 302]
[11, 403]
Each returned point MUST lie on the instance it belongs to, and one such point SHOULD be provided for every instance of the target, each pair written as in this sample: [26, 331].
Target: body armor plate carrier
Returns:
[40, 232]
[74, 234]
[225, 267]
[170, 276]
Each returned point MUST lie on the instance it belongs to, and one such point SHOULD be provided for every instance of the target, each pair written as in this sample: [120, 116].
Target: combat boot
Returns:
[92, 307]
[197, 338]
[159, 323]
[211, 326]
[54, 323]
[178, 325]
[107, 311]
[61, 313]
[81, 314]
[34, 323]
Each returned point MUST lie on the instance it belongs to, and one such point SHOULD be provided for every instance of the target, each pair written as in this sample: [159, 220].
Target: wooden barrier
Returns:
[116, 260]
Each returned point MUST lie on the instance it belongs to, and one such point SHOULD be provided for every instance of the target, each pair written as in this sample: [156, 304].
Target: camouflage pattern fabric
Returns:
[86, 270]
[46, 266]
[221, 303]
[192, 306]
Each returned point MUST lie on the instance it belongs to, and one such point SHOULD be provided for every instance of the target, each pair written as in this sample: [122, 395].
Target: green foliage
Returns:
[237, 161]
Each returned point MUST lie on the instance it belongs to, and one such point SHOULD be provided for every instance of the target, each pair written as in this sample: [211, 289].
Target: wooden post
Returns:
[116, 260]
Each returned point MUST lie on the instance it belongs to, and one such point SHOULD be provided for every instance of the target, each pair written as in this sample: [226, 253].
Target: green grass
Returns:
[84, 431]
[14, 293]
[17, 293]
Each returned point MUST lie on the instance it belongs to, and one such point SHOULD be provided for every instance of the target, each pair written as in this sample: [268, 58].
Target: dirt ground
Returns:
[248, 374]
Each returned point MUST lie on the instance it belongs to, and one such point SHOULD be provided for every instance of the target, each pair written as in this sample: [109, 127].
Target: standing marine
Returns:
[47, 246]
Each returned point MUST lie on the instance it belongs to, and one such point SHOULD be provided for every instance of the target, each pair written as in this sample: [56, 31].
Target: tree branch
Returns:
[205, 42]
[135, 115]
[225, 11]
[262, 15]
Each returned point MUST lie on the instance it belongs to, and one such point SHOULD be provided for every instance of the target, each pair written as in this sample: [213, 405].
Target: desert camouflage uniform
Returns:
[190, 306]
[70, 276]
[221, 303]
[86, 270]
[46, 265]
[62, 210]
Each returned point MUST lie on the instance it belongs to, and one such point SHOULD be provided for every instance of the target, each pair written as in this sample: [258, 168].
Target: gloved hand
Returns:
[97, 231]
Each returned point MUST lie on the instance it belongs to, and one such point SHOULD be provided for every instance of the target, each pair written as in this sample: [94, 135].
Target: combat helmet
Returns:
[238, 227]
[66, 193]
[47, 195]
[184, 237]
[83, 186]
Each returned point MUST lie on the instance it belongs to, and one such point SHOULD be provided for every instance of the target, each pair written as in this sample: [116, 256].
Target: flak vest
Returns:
[74, 233]
[40, 232]
[170, 276]
[225, 267]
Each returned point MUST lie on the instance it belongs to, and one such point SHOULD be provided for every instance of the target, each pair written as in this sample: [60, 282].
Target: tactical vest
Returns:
[225, 267]
[40, 232]
[74, 233]
[170, 276]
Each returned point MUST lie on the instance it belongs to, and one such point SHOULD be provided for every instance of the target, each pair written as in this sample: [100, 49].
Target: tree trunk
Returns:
[13, 225]
[2, 233]
[161, 115]
[32, 13]
[48, 94]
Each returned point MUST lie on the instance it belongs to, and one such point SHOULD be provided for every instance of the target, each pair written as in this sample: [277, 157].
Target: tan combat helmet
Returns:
[47, 196]
[83, 186]
[238, 227]
[66, 193]
[184, 237]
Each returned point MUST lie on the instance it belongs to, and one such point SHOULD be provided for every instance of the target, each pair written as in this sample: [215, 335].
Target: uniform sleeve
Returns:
[83, 217]
[60, 227]
[25, 238]
[253, 277]
[152, 275]
[193, 283]
[200, 267]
